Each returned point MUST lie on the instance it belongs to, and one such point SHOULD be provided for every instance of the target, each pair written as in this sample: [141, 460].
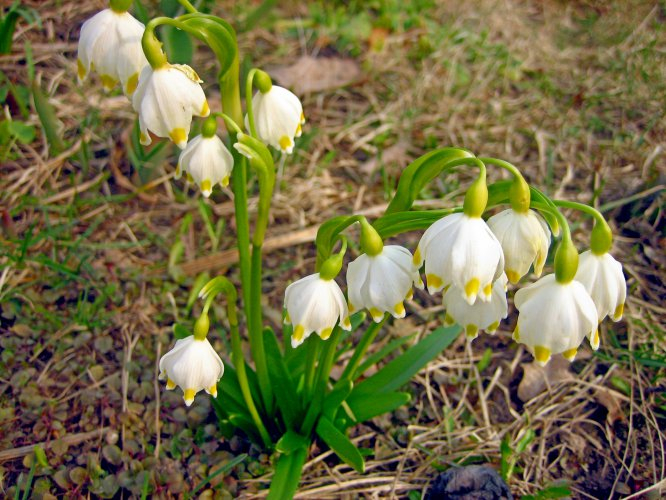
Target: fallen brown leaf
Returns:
[316, 74]
[611, 401]
[537, 378]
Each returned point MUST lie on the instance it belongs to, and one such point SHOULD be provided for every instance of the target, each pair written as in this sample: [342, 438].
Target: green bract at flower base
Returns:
[291, 397]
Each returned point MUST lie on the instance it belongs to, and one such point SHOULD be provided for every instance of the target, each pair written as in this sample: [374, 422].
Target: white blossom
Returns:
[278, 117]
[603, 279]
[207, 161]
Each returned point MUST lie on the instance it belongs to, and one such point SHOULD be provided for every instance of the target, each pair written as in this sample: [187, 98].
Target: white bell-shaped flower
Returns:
[461, 251]
[278, 117]
[603, 279]
[194, 366]
[110, 44]
[480, 315]
[207, 161]
[166, 99]
[525, 239]
[555, 318]
[380, 283]
[315, 305]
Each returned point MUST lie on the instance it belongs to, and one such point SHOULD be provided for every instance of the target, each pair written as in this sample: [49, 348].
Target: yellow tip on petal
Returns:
[108, 82]
[189, 177]
[206, 187]
[212, 390]
[471, 331]
[376, 314]
[448, 320]
[409, 295]
[298, 333]
[513, 276]
[132, 83]
[285, 143]
[225, 181]
[299, 131]
[188, 396]
[302, 118]
[170, 385]
[516, 334]
[541, 354]
[205, 109]
[434, 282]
[399, 309]
[619, 311]
[570, 354]
[351, 307]
[325, 333]
[346, 324]
[179, 137]
[492, 327]
[287, 318]
[417, 257]
[472, 287]
[595, 340]
[487, 290]
[144, 139]
[80, 69]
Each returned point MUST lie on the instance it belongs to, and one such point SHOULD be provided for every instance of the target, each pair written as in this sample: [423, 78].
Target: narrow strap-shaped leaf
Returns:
[399, 371]
[340, 444]
[291, 441]
[284, 387]
[47, 117]
[287, 475]
[335, 398]
[382, 353]
[366, 407]
[246, 425]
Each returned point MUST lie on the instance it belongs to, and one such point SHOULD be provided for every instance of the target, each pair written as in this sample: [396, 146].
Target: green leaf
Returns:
[179, 331]
[245, 423]
[48, 119]
[281, 381]
[287, 475]
[25, 134]
[399, 371]
[335, 398]
[383, 353]
[340, 444]
[291, 441]
[178, 45]
[365, 407]
[224, 468]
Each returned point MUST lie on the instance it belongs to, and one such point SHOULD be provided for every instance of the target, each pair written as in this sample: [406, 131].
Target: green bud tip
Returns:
[331, 267]
[209, 127]
[601, 239]
[120, 6]
[476, 197]
[371, 242]
[152, 48]
[262, 81]
[519, 194]
[566, 262]
[201, 327]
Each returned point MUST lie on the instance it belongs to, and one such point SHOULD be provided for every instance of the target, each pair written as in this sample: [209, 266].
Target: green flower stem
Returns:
[152, 47]
[188, 6]
[248, 101]
[250, 270]
[601, 239]
[323, 374]
[369, 336]
[520, 190]
[566, 256]
[229, 123]
[312, 355]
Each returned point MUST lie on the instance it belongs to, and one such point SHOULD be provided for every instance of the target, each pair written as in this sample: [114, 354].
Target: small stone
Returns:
[473, 482]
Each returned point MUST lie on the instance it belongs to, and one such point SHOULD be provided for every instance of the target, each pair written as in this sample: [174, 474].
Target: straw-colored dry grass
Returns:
[571, 92]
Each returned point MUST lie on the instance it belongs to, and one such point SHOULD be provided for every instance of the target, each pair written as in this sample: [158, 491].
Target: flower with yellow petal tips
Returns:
[525, 239]
[110, 44]
[194, 366]
[278, 117]
[315, 304]
[480, 315]
[554, 318]
[603, 279]
[380, 283]
[461, 251]
[166, 99]
[207, 161]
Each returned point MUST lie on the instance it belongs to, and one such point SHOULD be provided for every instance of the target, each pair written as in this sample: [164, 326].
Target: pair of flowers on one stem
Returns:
[167, 96]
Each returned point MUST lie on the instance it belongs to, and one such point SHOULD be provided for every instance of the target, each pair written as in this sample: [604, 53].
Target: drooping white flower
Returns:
[462, 251]
[480, 315]
[315, 305]
[207, 161]
[603, 279]
[278, 117]
[166, 99]
[380, 283]
[525, 239]
[555, 318]
[110, 44]
[194, 366]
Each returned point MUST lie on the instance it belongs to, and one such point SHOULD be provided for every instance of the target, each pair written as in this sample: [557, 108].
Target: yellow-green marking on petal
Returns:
[298, 333]
[542, 354]
[376, 313]
[188, 396]
[170, 384]
[417, 257]
[434, 281]
[595, 340]
[132, 83]
[108, 82]
[492, 327]
[205, 109]
[471, 331]
[144, 139]
[225, 181]
[80, 69]
[409, 295]
[287, 318]
[448, 320]
[206, 187]
[487, 290]
[619, 311]
[472, 287]
[399, 309]
[346, 323]
[513, 276]
[284, 142]
[570, 354]
[516, 334]
[178, 136]
[212, 390]
[325, 333]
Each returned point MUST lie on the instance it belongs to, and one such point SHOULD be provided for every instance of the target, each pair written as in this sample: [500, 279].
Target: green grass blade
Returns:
[283, 385]
[366, 407]
[287, 475]
[340, 444]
